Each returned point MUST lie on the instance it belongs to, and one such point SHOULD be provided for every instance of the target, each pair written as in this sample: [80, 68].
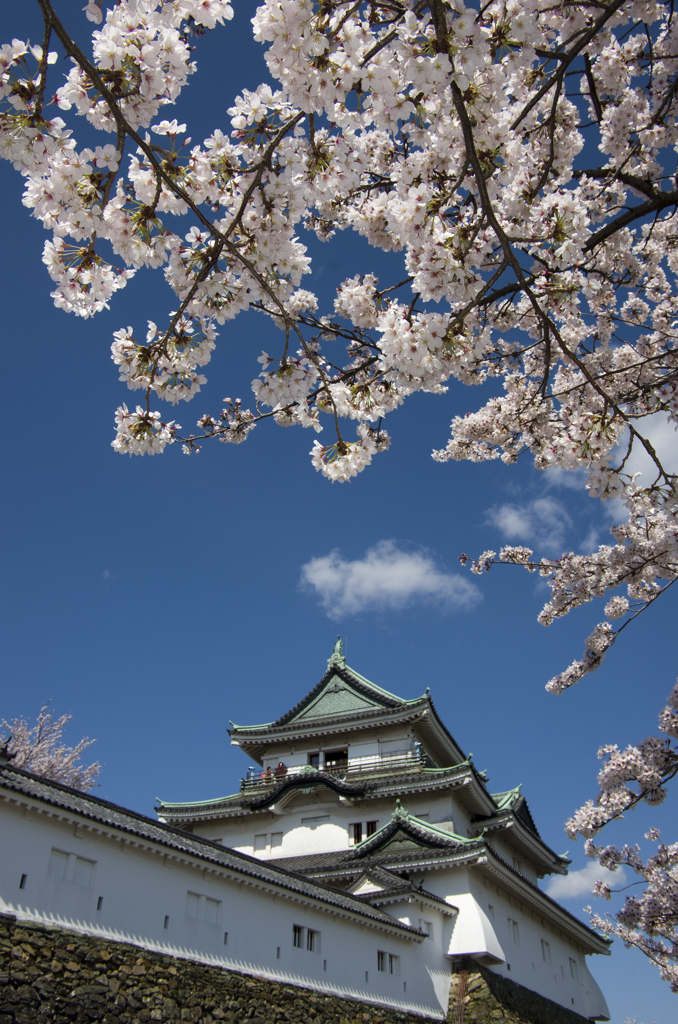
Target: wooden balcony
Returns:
[350, 770]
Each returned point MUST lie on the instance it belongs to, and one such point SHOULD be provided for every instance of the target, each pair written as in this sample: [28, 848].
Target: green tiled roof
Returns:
[342, 691]
[507, 799]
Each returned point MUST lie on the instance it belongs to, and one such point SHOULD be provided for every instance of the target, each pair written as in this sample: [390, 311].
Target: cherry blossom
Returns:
[518, 159]
[39, 749]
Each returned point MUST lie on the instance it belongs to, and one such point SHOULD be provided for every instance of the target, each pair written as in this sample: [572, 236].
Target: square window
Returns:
[82, 872]
[260, 843]
[276, 839]
[314, 760]
[212, 910]
[426, 927]
[58, 861]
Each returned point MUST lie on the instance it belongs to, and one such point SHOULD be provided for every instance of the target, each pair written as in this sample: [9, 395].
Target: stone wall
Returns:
[478, 996]
[53, 975]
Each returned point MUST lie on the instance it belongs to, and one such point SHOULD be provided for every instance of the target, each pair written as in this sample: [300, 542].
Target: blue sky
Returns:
[155, 599]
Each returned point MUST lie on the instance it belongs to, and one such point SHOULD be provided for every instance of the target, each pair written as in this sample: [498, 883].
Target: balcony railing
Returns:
[350, 770]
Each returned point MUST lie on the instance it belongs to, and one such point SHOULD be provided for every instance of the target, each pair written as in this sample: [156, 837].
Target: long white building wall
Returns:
[55, 871]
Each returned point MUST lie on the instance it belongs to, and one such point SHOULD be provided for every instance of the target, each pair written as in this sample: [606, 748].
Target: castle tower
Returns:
[370, 794]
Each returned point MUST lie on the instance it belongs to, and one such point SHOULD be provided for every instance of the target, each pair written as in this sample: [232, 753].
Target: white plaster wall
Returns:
[239, 832]
[140, 888]
[523, 959]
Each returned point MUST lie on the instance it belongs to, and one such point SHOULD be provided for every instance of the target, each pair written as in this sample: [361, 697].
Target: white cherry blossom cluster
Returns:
[648, 921]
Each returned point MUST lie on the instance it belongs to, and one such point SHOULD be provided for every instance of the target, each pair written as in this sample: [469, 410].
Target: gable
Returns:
[367, 886]
[337, 697]
[395, 839]
[401, 841]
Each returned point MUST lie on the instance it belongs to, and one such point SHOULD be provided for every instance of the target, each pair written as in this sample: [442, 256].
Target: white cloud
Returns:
[572, 479]
[542, 521]
[662, 436]
[590, 542]
[386, 578]
[580, 883]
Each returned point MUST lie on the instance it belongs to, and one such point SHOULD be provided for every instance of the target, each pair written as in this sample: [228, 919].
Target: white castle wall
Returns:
[139, 890]
[515, 933]
[293, 839]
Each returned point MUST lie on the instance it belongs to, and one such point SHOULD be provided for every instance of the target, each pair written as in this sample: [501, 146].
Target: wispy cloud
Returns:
[385, 578]
[580, 883]
[571, 479]
[663, 437]
[542, 521]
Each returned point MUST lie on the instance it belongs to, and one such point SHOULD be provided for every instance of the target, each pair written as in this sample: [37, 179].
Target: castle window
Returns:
[514, 931]
[426, 927]
[387, 963]
[314, 760]
[336, 758]
[211, 910]
[312, 941]
[357, 828]
[371, 828]
[574, 970]
[316, 821]
[58, 862]
[202, 908]
[546, 951]
[260, 843]
[82, 871]
[192, 904]
[298, 936]
[276, 839]
[70, 867]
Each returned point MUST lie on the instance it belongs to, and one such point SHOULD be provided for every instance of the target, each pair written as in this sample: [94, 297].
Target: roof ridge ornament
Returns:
[5, 755]
[337, 658]
[400, 814]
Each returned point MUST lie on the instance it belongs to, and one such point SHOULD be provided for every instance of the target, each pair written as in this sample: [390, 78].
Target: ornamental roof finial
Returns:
[337, 657]
[399, 814]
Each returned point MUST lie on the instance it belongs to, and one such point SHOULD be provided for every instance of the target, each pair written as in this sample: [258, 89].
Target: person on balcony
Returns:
[281, 771]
